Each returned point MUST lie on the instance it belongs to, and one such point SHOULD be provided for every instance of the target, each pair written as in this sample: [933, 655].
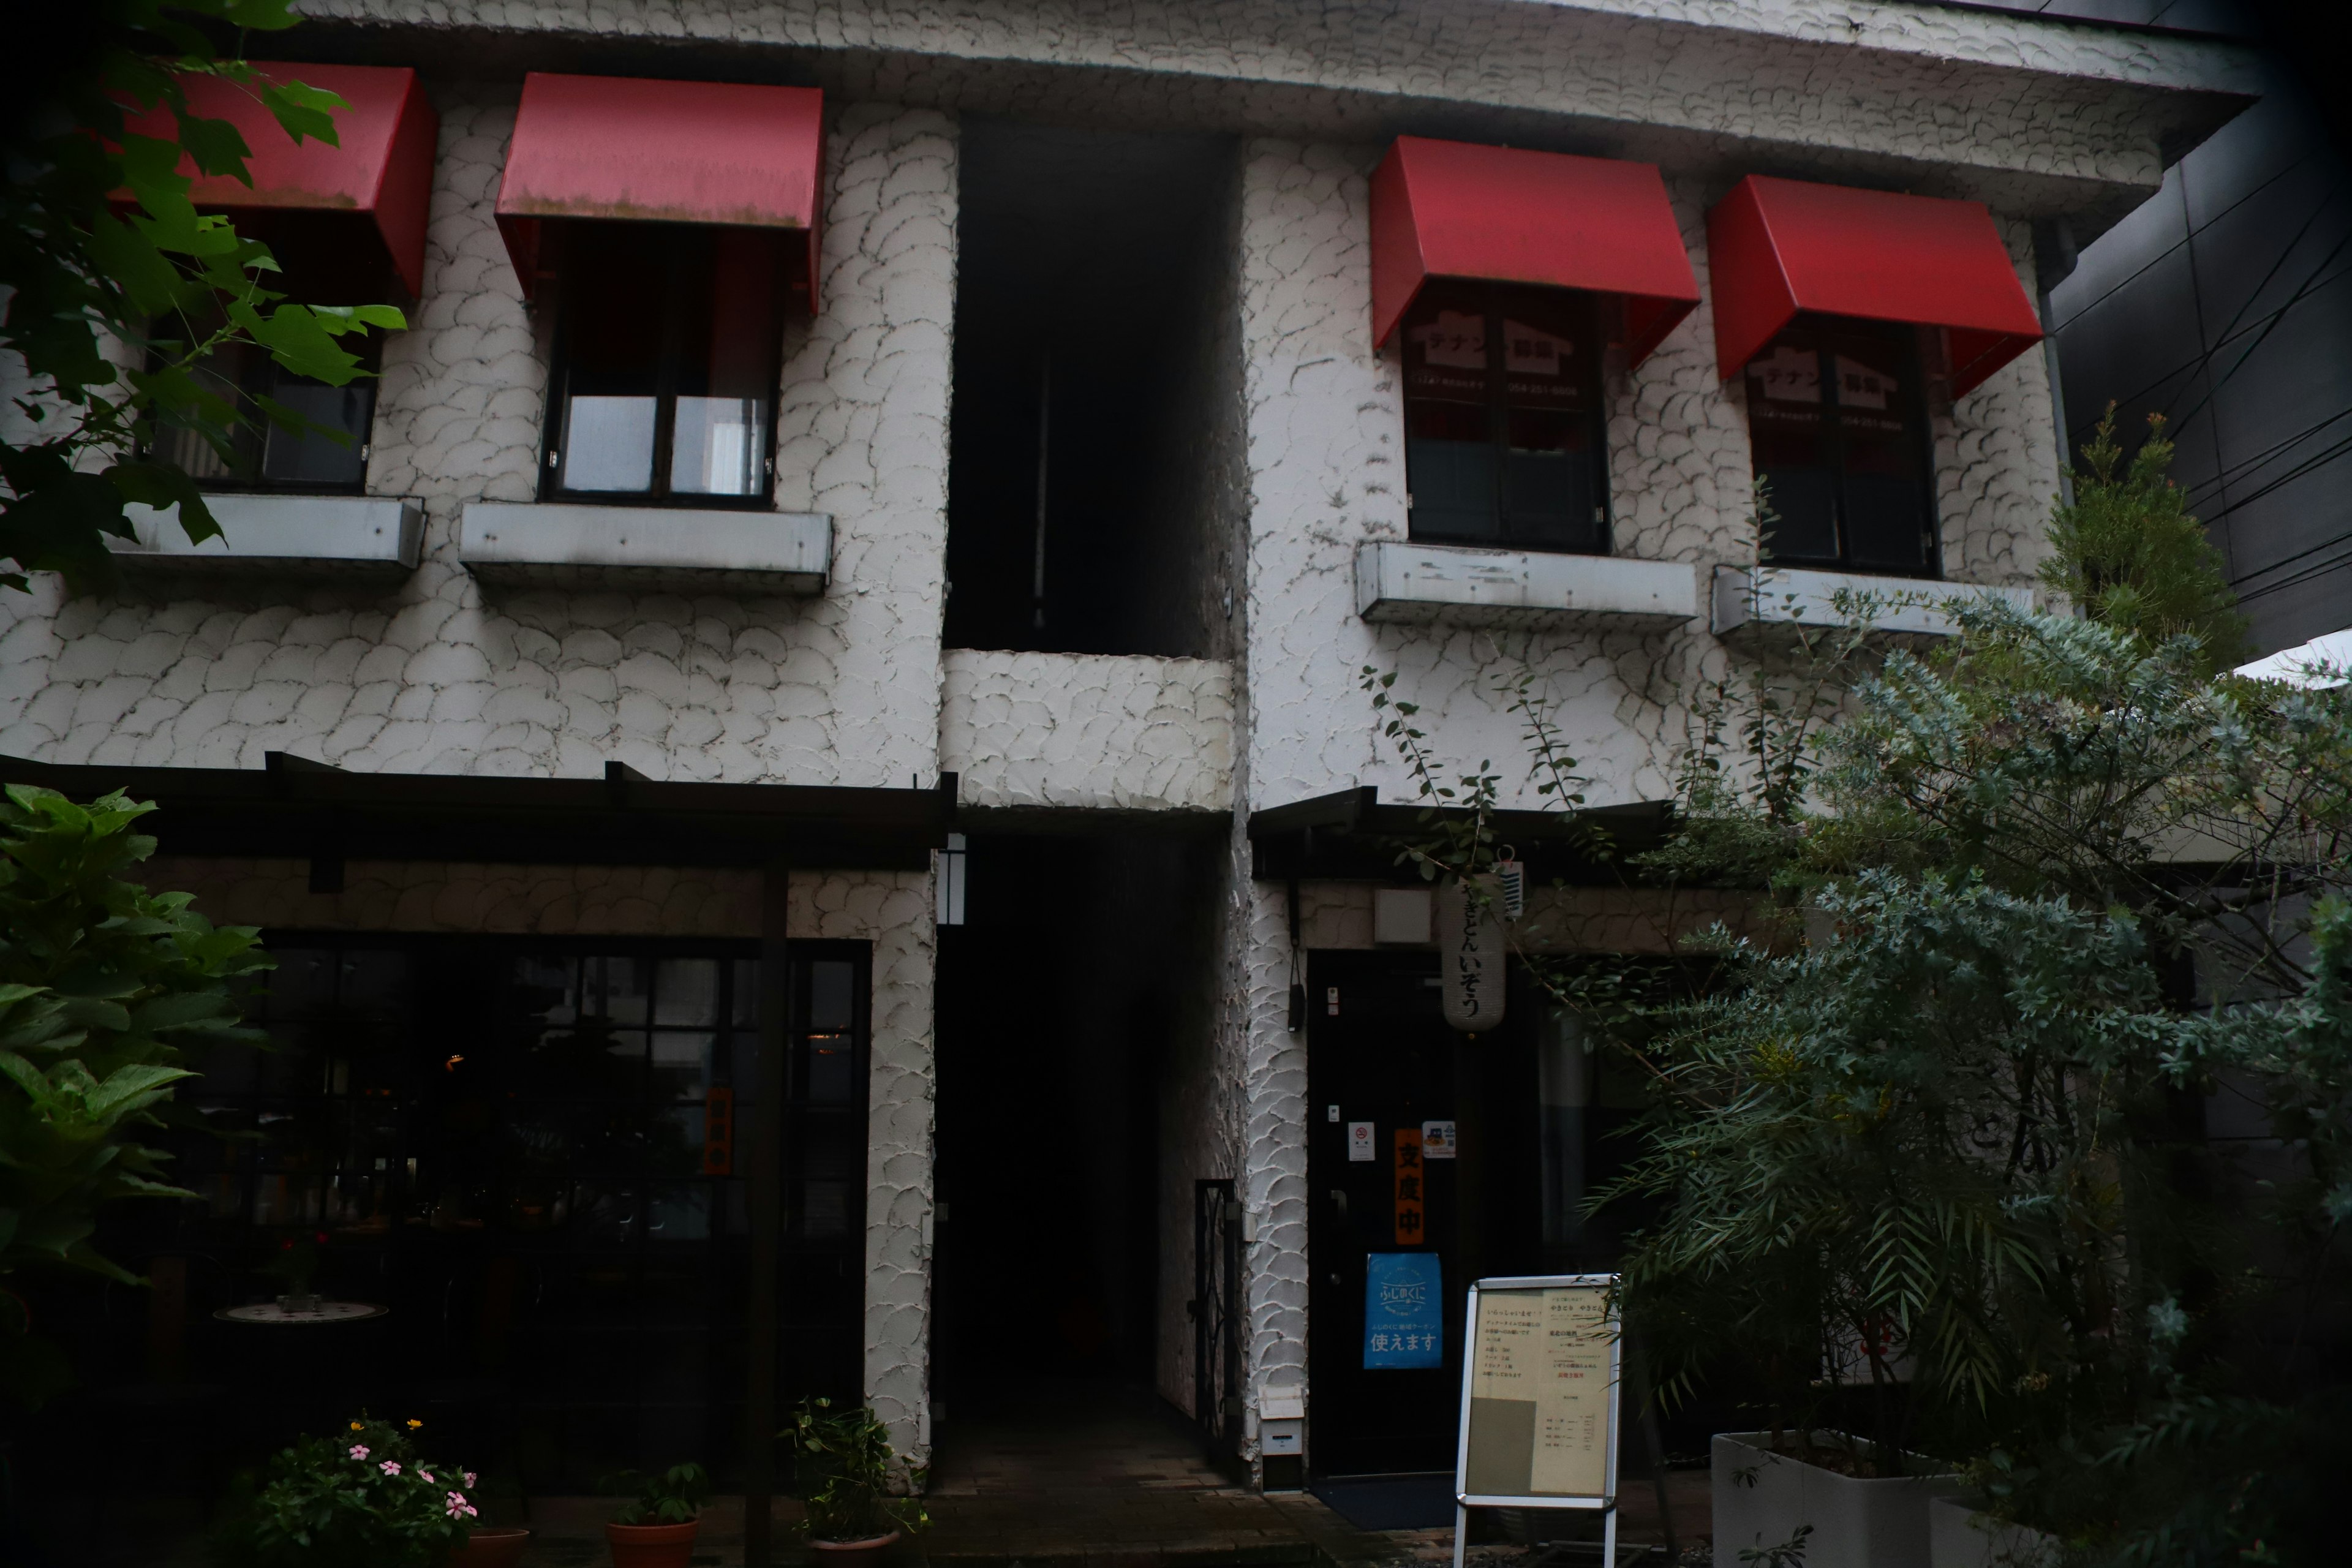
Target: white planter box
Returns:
[1856, 1523]
[1960, 1537]
[1744, 600]
[571, 545]
[1462, 585]
[278, 535]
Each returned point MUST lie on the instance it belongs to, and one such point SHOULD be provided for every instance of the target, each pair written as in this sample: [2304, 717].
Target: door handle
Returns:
[1339, 1196]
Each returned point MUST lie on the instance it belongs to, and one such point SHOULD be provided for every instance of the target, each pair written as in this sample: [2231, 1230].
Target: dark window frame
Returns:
[1827, 332]
[685, 245]
[258, 374]
[1585, 329]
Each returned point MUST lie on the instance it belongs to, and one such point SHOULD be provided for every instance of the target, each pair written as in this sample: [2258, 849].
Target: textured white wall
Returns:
[1325, 444]
[1088, 730]
[2012, 111]
[436, 675]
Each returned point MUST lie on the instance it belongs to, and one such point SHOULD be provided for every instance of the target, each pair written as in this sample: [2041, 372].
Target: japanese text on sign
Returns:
[1411, 1218]
[1540, 1392]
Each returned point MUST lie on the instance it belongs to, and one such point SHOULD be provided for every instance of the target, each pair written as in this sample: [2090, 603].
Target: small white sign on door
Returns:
[1359, 1140]
[1437, 1140]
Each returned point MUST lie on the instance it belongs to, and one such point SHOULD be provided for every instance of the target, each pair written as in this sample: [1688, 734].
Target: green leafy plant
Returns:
[853, 1484]
[115, 308]
[360, 1498]
[2129, 551]
[675, 1496]
[105, 990]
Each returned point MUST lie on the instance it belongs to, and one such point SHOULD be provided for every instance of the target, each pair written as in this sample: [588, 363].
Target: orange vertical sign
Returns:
[1410, 1214]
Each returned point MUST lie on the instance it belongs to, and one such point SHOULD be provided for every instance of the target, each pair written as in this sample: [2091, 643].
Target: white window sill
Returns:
[1455, 585]
[279, 535]
[1753, 600]
[569, 545]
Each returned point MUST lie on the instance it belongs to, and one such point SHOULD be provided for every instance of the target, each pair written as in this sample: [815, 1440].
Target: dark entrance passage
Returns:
[1425, 1169]
[1071, 1006]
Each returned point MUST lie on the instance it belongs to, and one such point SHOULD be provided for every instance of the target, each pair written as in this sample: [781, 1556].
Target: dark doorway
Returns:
[1062, 1005]
[1093, 483]
[1425, 1170]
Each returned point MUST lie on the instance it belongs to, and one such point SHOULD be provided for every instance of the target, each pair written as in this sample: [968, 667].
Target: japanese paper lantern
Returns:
[1470, 948]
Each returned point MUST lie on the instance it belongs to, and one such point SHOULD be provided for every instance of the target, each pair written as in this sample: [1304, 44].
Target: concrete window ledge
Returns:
[1750, 601]
[571, 545]
[280, 535]
[1461, 585]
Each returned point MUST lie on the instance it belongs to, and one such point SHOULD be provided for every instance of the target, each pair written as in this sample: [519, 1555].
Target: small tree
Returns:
[2129, 551]
[89, 284]
[107, 992]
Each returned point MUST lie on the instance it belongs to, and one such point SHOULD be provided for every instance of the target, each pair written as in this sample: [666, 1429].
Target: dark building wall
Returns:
[2225, 304]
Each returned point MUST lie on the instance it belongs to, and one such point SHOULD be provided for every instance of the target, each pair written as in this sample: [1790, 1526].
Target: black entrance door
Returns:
[1423, 1169]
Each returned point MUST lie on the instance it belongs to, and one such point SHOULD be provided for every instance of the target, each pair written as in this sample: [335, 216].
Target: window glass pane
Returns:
[1887, 520]
[310, 456]
[1449, 457]
[831, 983]
[681, 1066]
[614, 282]
[686, 991]
[831, 1069]
[608, 442]
[726, 368]
[1788, 428]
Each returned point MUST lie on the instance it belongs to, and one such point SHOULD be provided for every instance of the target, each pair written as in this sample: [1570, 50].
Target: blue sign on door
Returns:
[1404, 1311]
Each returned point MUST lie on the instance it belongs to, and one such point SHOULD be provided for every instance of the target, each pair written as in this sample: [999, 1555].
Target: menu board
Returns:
[1540, 1416]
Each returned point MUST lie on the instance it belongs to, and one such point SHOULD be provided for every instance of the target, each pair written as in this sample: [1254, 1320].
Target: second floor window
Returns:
[1504, 420]
[1840, 433]
[327, 457]
[666, 365]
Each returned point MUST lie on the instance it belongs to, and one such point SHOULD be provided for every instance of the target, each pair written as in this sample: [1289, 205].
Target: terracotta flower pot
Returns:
[491, 1546]
[652, 1545]
[853, 1553]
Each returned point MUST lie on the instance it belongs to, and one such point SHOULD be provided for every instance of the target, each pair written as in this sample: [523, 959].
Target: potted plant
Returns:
[1832, 1490]
[858, 1494]
[655, 1527]
[361, 1499]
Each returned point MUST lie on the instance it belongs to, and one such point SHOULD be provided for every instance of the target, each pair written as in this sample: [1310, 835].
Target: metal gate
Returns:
[1216, 1307]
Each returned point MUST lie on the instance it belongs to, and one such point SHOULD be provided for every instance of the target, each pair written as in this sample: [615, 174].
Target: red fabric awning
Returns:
[1778, 246]
[381, 169]
[1453, 209]
[662, 152]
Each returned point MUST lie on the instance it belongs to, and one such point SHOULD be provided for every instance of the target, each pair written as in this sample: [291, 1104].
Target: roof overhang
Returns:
[1454, 209]
[1349, 835]
[294, 807]
[722, 154]
[1775, 248]
[369, 193]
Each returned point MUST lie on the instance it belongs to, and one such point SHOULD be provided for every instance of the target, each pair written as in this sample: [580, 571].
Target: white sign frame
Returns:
[1605, 1503]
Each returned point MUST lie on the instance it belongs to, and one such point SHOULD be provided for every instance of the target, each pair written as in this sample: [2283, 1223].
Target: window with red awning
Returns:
[1501, 273]
[669, 225]
[1777, 247]
[346, 221]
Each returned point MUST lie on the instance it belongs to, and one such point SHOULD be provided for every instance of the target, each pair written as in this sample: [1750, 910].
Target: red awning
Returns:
[1452, 209]
[601, 147]
[1778, 246]
[379, 172]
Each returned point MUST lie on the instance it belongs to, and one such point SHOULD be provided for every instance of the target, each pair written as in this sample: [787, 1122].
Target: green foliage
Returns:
[156, 279]
[105, 990]
[2129, 551]
[1935, 1150]
[675, 1496]
[853, 1483]
[361, 1499]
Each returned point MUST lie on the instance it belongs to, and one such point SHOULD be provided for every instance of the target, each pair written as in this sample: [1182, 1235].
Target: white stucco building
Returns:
[1092, 486]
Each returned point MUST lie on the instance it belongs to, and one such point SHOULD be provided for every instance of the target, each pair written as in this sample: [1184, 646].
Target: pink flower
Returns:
[359, 1450]
[460, 1509]
[469, 1477]
[389, 1469]
[426, 1474]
